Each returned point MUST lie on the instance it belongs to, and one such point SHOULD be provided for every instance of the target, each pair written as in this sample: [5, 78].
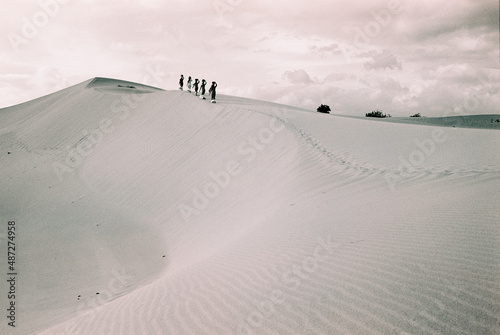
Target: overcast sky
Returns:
[431, 56]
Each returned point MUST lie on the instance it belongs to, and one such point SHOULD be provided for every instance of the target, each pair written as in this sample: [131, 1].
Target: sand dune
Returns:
[481, 121]
[143, 211]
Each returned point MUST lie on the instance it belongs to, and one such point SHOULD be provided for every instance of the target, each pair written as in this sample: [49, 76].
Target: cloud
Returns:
[300, 52]
[470, 16]
[382, 60]
[333, 48]
[333, 77]
[298, 77]
[48, 78]
[14, 78]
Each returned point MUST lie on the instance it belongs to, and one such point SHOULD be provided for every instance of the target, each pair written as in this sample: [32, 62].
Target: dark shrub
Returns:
[377, 113]
[323, 109]
[416, 115]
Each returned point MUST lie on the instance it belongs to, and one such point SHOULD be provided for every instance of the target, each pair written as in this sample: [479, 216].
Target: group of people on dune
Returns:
[198, 86]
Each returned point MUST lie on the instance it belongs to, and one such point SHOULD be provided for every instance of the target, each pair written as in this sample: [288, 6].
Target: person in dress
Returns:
[181, 82]
[196, 83]
[189, 84]
[202, 89]
[212, 91]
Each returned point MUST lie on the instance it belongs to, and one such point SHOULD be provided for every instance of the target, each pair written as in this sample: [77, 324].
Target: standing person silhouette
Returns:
[189, 84]
[202, 89]
[181, 82]
[212, 91]
[196, 82]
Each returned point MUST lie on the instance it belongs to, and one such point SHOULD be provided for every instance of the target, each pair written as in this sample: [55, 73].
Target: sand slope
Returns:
[245, 217]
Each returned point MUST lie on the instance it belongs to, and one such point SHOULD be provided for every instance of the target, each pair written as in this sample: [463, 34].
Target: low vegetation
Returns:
[377, 113]
[323, 109]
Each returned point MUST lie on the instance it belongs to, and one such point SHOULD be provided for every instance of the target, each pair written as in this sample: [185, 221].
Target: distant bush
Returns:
[416, 115]
[377, 113]
[323, 109]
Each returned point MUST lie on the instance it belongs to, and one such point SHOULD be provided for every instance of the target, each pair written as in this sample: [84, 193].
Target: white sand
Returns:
[318, 224]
